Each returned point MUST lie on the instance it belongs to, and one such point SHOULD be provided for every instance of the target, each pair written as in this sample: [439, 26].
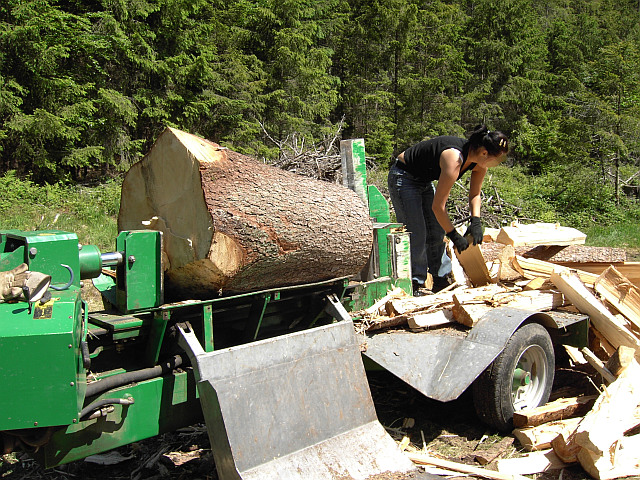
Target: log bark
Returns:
[235, 224]
[560, 409]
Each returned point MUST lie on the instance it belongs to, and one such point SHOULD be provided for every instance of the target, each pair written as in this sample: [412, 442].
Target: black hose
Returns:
[121, 379]
[102, 402]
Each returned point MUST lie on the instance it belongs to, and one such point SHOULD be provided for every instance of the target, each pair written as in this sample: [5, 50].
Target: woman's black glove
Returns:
[458, 240]
[475, 230]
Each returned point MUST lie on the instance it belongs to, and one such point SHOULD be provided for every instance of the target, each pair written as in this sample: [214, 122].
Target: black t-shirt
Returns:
[423, 158]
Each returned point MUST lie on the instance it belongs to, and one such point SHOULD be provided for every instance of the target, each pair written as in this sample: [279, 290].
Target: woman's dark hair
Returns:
[494, 141]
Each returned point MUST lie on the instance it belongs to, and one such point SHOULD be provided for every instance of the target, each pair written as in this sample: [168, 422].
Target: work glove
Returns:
[458, 240]
[11, 282]
[475, 230]
[22, 284]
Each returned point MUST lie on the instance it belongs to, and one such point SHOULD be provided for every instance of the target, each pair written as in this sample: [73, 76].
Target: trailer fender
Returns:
[442, 364]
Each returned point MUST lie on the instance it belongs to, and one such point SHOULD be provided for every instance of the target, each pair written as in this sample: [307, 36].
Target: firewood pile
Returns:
[543, 267]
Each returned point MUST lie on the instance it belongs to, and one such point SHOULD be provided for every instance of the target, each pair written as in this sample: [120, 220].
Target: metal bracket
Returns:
[335, 308]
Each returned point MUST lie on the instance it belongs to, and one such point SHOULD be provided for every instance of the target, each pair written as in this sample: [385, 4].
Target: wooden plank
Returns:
[474, 265]
[540, 234]
[610, 327]
[618, 290]
[556, 410]
[424, 459]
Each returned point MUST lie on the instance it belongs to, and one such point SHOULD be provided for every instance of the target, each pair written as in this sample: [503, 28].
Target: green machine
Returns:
[277, 375]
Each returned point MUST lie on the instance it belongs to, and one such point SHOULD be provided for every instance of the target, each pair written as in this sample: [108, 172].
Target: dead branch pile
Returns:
[320, 161]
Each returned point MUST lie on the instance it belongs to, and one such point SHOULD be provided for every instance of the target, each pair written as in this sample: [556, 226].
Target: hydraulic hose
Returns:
[102, 402]
[126, 378]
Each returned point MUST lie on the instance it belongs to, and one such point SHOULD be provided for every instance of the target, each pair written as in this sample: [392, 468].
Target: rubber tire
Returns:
[492, 390]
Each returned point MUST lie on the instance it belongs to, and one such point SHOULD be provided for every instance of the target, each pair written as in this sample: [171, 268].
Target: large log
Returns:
[235, 224]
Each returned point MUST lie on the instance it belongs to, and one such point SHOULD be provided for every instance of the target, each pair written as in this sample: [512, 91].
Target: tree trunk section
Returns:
[235, 224]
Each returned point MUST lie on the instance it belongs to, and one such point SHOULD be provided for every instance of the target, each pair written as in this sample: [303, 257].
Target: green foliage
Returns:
[90, 212]
[86, 87]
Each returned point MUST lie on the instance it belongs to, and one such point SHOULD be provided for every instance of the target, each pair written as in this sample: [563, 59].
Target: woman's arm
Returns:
[475, 188]
[450, 163]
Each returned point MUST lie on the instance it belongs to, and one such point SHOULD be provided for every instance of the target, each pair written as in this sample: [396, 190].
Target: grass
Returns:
[88, 211]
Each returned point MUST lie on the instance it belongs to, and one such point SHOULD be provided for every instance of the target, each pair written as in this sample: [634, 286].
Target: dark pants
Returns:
[412, 200]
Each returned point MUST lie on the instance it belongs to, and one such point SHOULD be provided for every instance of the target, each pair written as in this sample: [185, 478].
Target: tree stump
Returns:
[232, 223]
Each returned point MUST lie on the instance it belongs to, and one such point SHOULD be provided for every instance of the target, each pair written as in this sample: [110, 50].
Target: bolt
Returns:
[71, 384]
[131, 259]
[35, 424]
[75, 420]
[70, 346]
[33, 251]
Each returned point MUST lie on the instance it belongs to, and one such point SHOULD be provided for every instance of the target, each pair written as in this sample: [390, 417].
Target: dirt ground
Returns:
[450, 430]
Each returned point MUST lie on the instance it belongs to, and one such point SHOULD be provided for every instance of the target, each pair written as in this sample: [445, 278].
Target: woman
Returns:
[422, 208]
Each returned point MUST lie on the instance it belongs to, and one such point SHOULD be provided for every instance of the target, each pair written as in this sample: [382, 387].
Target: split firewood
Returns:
[505, 261]
[540, 437]
[474, 265]
[620, 360]
[405, 305]
[479, 295]
[610, 327]
[535, 284]
[457, 271]
[598, 365]
[556, 410]
[470, 314]
[430, 320]
[425, 459]
[231, 222]
[534, 300]
[539, 234]
[393, 294]
[533, 268]
[530, 463]
[565, 448]
[600, 344]
[600, 434]
[630, 270]
[471, 304]
[386, 322]
[575, 355]
[618, 290]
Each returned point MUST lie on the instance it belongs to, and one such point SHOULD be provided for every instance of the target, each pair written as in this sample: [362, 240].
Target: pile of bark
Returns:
[544, 267]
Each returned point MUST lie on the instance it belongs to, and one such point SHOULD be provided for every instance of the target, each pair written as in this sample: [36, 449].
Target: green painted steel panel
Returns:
[43, 381]
[160, 405]
[141, 273]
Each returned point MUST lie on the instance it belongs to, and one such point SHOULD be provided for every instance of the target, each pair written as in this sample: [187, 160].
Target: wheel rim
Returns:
[529, 378]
